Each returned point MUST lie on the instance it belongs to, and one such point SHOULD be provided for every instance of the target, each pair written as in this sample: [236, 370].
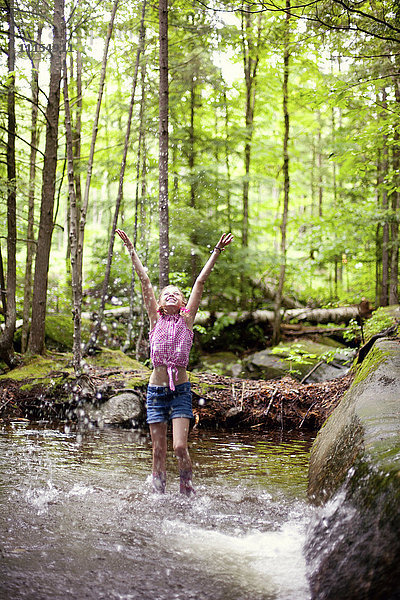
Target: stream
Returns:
[78, 518]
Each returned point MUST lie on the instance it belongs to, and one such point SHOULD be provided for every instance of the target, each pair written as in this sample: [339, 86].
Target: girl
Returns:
[171, 336]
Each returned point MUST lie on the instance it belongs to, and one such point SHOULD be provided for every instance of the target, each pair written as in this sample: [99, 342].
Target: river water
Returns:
[79, 520]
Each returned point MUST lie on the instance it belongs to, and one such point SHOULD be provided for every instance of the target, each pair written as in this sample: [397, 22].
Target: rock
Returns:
[298, 358]
[221, 363]
[353, 546]
[60, 330]
[267, 365]
[126, 407]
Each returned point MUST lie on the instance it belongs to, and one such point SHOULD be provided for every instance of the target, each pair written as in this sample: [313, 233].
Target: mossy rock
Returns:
[45, 371]
[59, 331]
[382, 318]
[297, 358]
[116, 359]
[353, 545]
[111, 359]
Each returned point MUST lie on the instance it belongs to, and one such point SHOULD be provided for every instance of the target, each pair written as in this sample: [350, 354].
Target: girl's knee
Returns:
[180, 449]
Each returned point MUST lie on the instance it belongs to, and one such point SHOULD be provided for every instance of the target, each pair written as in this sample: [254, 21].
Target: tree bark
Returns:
[7, 336]
[378, 229]
[39, 300]
[386, 228]
[163, 145]
[320, 177]
[286, 184]
[191, 162]
[250, 60]
[95, 128]
[77, 128]
[395, 203]
[74, 233]
[2, 284]
[140, 165]
[227, 160]
[30, 241]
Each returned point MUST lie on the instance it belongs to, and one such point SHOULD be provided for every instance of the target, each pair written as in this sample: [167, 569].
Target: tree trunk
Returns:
[30, 243]
[250, 60]
[77, 127]
[2, 284]
[163, 145]
[191, 161]
[319, 157]
[386, 228]
[227, 162]
[96, 329]
[39, 300]
[378, 236]
[395, 202]
[74, 233]
[78, 210]
[312, 176]
[250, 51]
[144, 229]
[7, 336]
[286, 185]
[140, 165]
[95, 128]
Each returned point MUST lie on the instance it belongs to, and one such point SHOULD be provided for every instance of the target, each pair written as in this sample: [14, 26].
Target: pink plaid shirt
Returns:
[170, 343]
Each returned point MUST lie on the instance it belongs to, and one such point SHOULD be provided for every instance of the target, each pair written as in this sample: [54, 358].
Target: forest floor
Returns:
[218, 401]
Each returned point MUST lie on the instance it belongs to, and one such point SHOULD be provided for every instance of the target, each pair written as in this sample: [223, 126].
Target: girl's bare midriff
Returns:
[159, 376]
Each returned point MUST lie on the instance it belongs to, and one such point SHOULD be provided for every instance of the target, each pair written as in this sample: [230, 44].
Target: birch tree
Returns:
[163, 144]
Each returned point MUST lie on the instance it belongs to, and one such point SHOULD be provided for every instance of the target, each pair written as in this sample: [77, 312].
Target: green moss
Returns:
[140, 379]
[370, 364]
[60, 331]
[40, 367]
[111, 359]
[383, 317]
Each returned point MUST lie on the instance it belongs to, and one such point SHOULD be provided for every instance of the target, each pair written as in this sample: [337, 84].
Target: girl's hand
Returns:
[125, 239]
[224, 240]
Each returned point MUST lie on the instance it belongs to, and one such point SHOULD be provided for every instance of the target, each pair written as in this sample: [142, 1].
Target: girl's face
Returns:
[171, 299]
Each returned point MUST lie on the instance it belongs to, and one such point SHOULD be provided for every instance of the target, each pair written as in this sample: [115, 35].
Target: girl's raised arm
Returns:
[149, 298]
[197, 291]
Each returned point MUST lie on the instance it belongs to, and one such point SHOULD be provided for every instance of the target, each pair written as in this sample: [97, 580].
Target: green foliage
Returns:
[296, 355]
[380, 320]
[353, 331]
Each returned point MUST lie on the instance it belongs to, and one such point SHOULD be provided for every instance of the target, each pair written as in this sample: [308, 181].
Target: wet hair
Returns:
[161, 310]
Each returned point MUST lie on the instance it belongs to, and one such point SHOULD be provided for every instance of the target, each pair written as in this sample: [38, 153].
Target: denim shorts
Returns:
[164, 404]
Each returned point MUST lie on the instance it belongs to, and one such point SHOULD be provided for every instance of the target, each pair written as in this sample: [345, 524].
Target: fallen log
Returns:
[342, 314]
[339, 314]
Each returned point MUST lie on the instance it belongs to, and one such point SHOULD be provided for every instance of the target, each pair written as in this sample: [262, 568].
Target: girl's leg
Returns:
[180, 431]
[158, 432]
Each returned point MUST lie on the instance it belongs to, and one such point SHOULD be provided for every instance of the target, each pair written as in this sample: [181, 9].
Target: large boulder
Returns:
[125, 408]
[324, 361]
[353, 545]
